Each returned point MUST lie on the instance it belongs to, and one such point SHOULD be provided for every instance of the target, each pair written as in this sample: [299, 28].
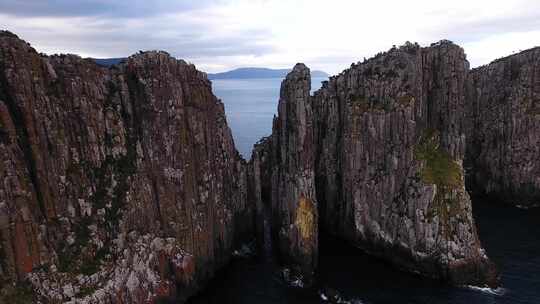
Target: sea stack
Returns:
[288, 156]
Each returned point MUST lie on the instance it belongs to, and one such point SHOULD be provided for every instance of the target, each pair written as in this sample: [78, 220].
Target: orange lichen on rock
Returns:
[305, 218]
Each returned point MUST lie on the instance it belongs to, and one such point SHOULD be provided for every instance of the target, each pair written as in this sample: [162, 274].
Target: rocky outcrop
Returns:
[387, 152]
[390, 178]
[503, 134]
[288, 158]
[118, 185]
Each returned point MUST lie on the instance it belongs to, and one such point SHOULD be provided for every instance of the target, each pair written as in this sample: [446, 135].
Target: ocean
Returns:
[511, 237]
[250, 105]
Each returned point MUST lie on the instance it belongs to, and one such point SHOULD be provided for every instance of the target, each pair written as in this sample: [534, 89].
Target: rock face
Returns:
[388, 141]
[118, 185]
[122, 184]
[390, 148]
[294, 205]
[503, 134]
[284, 178]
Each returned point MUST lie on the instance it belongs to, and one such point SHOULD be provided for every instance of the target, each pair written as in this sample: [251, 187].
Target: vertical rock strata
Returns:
[391, 141]
[118, 185]
[284, 178]
[388, 145]
[294, 203]
[122, 184]
[503, 134]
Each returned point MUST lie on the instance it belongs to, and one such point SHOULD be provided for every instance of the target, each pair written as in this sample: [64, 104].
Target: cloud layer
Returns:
[222, 34]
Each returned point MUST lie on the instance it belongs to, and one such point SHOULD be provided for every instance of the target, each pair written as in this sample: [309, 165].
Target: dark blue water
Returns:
[250, 105]
[510, 235]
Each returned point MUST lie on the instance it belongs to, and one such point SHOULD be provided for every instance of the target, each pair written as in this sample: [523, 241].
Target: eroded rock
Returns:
[90, 155]
[292, 157]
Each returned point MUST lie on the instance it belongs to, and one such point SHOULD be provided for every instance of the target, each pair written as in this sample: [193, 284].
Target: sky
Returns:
[219, 35]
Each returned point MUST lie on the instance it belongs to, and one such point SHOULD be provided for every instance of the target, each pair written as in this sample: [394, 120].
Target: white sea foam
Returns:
[338, 299]
[527, 207]
[493, 291]
[297, 283]
[292, 280]
[244, 252]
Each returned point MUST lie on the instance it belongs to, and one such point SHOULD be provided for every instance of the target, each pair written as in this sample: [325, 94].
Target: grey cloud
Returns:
[183, 38]
[463, 31]
[79, 8]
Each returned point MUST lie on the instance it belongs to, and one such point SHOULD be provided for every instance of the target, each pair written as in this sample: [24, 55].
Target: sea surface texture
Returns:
[250, 105]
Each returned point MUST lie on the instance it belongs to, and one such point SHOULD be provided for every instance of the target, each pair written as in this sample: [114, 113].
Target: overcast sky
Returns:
[218, 35]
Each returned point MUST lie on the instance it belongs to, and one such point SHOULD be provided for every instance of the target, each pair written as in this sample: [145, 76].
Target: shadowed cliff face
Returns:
[503, 134]
[387, 151]
[118, 184]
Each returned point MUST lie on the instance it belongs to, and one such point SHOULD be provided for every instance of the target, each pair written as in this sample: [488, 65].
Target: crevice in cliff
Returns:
[156, 200]
[22, 137]
[135, 122]
[268, 247]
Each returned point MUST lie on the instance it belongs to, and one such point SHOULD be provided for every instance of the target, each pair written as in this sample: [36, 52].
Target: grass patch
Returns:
[439, 167]
[362, 104]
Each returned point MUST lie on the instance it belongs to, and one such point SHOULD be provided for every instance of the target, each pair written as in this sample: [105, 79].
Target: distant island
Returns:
[107, 62]
[247, 73]
[240, 73]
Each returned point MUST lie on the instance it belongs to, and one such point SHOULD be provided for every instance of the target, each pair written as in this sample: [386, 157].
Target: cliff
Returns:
[387, 148]
[123, 185]
[294, 203]
[118, 185]
[503, 134]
